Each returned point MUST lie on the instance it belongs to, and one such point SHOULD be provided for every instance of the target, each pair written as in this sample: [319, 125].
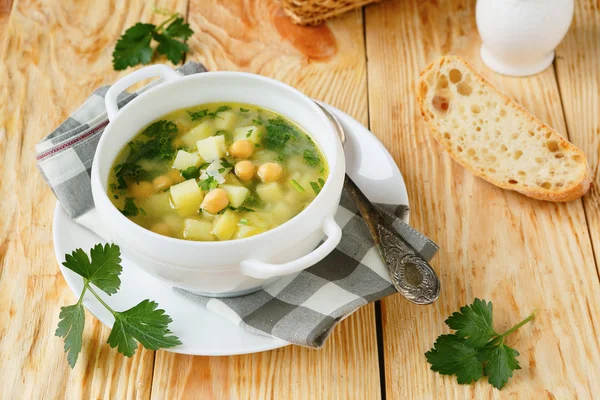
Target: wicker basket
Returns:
[313, 12]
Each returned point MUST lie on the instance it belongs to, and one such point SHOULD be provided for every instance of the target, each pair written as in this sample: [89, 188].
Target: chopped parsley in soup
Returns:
[217, 172]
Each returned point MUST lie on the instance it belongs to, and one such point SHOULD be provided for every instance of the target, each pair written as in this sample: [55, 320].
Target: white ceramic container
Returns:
[225, 268]
[519, 36]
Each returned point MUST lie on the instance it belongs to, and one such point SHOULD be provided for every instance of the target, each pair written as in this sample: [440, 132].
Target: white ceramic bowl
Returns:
[225, 268]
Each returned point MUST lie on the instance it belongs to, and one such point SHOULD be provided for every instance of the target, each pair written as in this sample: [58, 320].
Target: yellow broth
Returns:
[217, 171]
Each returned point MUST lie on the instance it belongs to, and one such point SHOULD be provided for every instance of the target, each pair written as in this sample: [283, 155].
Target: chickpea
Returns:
[270, 172]
[162, 228]
[245, 170]
[141, 189]
[162, 182]
[215, 201]
[175, 175]
[242, 148]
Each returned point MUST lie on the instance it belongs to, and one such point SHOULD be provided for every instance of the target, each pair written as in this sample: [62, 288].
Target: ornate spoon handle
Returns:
[411, 275]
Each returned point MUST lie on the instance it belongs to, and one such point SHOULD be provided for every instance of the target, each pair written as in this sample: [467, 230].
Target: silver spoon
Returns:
[411, 275]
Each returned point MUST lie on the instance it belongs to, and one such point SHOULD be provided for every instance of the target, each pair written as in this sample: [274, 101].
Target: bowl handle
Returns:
[158, 70]
[262, 270]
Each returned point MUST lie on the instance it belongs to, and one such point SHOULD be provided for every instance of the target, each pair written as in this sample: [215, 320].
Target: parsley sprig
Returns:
[133, 47]
[475, 349]
[143, 323]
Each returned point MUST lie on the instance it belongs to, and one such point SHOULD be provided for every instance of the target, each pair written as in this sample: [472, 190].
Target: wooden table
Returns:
[520, 253]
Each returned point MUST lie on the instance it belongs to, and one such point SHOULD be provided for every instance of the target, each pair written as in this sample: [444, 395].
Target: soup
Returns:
[218, 171]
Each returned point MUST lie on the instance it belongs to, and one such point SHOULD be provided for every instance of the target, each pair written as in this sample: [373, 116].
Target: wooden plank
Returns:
[5, 6]
[55, 54]
[520, 253]
[328, 63]
[578, 72]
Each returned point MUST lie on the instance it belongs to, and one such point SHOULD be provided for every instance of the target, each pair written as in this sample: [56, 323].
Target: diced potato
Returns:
[306, 179]
[251, 132]
[187, 197]
[217, 166]
[175, 222]
[245, 231]
[231, 179]
[212, 148]
[207, 215]
[226, 121]
[215, 174]
[202, 131]
[269, 192]
[282, 212]
[296, 163]
[195, 229]
[157, 204]
[258, 219]
[184, 160]
[237, 194]
[225, 225]
[213, 170]
[265, 156]
[294, 197]
[184, 123]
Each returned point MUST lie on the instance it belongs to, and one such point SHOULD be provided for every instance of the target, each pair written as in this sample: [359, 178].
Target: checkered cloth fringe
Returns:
[302, 308]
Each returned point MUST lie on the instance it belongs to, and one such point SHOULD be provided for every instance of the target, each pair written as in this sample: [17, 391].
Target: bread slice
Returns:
[495, 138]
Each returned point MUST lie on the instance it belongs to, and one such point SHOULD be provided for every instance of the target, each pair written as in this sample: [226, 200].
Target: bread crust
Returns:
[569, 193]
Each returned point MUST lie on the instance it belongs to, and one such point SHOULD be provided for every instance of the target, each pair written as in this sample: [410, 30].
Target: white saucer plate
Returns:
[368, 163]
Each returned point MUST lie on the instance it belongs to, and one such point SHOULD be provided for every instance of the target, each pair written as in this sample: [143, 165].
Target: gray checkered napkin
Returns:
[302, 308]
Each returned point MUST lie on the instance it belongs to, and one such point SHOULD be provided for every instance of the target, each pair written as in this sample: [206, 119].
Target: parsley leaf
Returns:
[296, 185]
[161, 128]
[145, 324]
[500, 362]
[104, 269]
[315, 187]
[243, 209]
[179, 29]
[257, 122]
[311, 157]
[196, 115]
[170, 47]
[252, 200]
[244, 110]
[190, 172]
[133, 47]
[130, 209]
[161, 134]
[451, 356]
[279, 132]
[214, 115]
[208, 183]
[226, 164]
[128, 171]
[475, 349]
[473, 322]
[70, 327]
